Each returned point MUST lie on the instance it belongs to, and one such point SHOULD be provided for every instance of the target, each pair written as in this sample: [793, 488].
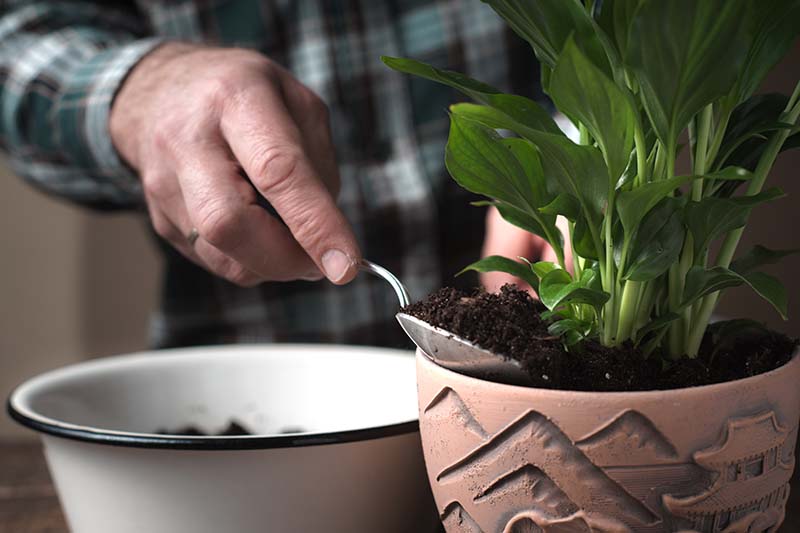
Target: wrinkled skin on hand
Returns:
[196, 122]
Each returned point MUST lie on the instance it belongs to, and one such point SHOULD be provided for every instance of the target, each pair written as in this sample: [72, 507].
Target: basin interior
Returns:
[270, 389]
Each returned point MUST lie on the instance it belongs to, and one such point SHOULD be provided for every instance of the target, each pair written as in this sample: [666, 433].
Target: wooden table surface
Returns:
[28, 502]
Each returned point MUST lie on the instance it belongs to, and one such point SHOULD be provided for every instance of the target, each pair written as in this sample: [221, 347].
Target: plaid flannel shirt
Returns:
[61, 63]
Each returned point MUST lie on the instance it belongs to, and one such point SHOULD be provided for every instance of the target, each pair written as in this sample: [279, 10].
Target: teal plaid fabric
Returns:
[61, 63]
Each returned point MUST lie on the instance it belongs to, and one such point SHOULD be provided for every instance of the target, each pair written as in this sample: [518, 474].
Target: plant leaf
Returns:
[571, 329]
[496, 263]
[744, 142]
[523, 110]
[479, 161]
[730, 174]
[563, 204]
[713, 217]
[658, 241]
[522, 219]
[579, 171]
[588, 96]
[542, 268]
[700, 282]
[484, 163]
[531, 164]
[546, 25]
[657, 324]
[633, 205]
[775, 29]
[582, 239]
[558, 287]
[685, 54]
[723, 183]
[759, 256]
[770, 289]
[615, 18]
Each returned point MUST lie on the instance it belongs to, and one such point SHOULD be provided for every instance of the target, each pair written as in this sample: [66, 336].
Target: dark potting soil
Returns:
[234, 429]
[508, 323]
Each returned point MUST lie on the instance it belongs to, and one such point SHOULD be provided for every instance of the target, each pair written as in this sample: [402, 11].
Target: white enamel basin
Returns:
[350, 462]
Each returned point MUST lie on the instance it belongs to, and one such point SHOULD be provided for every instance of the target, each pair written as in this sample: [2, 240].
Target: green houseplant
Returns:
[642, 80]
[633, 79]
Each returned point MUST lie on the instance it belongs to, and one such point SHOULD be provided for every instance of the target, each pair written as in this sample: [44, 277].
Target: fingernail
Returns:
[335, 263]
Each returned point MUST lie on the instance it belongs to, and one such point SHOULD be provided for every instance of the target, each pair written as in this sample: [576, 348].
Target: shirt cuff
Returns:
[82, 114]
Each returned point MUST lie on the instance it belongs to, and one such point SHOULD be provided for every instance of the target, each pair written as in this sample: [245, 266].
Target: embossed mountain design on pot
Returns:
[447, 405]
[447, 409]
[630, 439]
[534, 490]
[455, 518]
[533, 440]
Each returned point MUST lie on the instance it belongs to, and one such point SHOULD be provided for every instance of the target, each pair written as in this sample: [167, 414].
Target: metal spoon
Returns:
[445, 348]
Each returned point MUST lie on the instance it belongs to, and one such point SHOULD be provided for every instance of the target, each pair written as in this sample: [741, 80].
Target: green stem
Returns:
[658, 165]
[608, 277]
[584, 134]
[700, 136]
[701, 148]
[645, 306]
[685, 263]
[576, 260]
[731, 242]
[628, 308]
[641, 155]
[606, 273]
[716, 143]
[795, 96]
[623, 259]
[675, 293]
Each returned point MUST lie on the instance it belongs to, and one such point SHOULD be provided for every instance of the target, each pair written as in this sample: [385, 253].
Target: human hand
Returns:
[195, 122]
[505, 239]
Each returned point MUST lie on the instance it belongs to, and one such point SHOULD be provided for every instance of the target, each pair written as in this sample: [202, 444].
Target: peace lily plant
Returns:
[642, 80]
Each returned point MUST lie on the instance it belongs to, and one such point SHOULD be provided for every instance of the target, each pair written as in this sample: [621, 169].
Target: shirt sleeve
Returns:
[61, 64]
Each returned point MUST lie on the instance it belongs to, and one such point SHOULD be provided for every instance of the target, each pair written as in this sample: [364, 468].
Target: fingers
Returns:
[171, 222]
[269, 145]
[237, 236]
[311, 116]
[236, 108]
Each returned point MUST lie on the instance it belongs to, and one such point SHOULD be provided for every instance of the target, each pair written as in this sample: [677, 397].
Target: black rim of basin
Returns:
[178, 442]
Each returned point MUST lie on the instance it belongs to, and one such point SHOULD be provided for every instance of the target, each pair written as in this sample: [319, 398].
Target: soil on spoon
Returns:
[508, 323]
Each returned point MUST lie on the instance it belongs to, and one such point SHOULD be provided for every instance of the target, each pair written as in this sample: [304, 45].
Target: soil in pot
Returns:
[509, 323]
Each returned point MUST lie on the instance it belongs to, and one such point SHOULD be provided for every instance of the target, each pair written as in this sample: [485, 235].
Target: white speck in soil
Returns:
[545, 377]
[608, 376]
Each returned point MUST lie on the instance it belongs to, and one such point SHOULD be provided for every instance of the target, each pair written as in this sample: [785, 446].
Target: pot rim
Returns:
[699, 389]
[128, 439]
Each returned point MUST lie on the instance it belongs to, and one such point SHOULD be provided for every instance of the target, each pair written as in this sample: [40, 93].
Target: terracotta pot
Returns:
[502, 458]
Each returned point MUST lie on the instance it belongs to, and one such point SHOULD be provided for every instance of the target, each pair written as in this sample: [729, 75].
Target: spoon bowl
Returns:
[448, 349]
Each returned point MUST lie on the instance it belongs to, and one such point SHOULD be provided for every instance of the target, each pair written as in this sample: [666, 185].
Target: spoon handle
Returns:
[391, 279]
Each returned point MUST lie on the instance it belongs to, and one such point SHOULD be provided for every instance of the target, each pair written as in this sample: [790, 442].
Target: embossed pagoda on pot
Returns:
[751, 485]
